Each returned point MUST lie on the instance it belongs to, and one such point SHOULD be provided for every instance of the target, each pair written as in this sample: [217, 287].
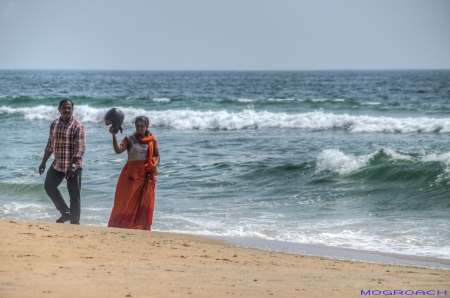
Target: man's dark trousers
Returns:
[53, 180]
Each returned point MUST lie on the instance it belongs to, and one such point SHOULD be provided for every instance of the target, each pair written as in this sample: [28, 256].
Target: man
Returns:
[67, 142]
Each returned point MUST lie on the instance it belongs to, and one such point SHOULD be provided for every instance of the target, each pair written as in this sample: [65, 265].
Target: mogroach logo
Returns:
[403, 293]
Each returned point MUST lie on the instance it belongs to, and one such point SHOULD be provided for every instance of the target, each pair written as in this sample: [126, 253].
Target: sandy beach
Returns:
[41, 259]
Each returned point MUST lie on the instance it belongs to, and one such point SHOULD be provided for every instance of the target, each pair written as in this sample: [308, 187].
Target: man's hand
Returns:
[70, 172]
[42, 168]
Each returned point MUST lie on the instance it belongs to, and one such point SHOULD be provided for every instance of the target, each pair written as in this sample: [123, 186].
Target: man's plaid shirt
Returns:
[66, 140]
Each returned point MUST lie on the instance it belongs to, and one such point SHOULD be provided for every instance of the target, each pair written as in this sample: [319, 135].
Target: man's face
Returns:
[66, 111]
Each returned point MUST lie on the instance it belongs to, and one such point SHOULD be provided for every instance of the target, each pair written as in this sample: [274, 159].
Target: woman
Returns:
[135, 192]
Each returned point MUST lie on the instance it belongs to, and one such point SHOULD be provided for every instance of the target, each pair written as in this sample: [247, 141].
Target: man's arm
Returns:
[80, 148]
[80, 142]
[48, 150]
[71, 170]
[42, 166]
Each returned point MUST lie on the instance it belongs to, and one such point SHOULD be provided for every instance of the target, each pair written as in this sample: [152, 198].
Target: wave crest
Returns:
[432, 165]
[334, 160]
[247, 119]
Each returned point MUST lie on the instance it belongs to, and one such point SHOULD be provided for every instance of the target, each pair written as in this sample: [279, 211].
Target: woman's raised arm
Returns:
[118, 148]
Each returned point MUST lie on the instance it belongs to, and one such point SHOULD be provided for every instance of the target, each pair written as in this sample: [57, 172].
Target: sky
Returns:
[225, 35]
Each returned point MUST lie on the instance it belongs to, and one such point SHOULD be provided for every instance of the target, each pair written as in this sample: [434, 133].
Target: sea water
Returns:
[350, 159]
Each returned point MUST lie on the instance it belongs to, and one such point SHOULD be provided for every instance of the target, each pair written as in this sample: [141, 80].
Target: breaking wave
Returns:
[246, 119]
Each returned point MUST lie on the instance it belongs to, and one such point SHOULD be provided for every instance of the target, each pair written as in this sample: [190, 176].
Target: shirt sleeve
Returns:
[125, 141]
[49, 146]
[80, 141]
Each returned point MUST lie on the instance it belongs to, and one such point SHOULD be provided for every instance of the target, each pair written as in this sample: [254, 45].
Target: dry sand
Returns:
[41, 259]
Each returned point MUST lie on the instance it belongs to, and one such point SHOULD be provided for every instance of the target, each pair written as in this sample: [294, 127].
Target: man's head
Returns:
[65, 109]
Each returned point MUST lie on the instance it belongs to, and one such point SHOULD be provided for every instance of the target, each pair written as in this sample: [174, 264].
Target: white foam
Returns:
[396, 155]
[351, 233]
[15, 210]
[248, 118]
[335, 161]
[442, 157]
[164, 99]
[280, 99]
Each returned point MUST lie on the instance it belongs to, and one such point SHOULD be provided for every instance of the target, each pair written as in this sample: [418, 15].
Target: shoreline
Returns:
[338, 253]
[36, 258]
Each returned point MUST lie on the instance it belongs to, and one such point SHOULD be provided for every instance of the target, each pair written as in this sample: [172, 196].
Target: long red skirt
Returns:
[134, 200]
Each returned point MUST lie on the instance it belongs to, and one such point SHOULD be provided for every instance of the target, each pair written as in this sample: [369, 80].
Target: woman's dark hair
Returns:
[143, 119]
[64, 100]
[146, 122]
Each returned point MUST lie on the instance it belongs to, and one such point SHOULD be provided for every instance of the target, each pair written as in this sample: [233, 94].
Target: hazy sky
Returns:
[224, 35]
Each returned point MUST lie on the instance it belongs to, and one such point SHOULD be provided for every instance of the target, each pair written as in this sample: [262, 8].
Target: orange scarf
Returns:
[151, 160]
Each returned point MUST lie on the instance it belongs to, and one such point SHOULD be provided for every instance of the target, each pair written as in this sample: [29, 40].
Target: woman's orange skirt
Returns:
[134, 200]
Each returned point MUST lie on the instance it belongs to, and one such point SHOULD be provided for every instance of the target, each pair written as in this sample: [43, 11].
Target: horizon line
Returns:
[223, 70]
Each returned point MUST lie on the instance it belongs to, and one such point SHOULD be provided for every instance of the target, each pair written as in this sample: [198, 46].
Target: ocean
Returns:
[346, 159]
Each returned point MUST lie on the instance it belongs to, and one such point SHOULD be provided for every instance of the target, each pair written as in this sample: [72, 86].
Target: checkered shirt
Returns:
[66, 140]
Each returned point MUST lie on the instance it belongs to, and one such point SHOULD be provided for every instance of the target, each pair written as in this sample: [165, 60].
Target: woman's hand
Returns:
[111, 131]
[155, 169]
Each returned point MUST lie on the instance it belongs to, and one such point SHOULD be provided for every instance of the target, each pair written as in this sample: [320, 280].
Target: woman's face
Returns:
[141, 128]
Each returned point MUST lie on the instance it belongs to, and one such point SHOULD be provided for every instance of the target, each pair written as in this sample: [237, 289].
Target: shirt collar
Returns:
[70, 120]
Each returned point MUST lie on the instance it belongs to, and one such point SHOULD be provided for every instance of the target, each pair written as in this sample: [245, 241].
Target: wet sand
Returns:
[339, 253]
[40, 259]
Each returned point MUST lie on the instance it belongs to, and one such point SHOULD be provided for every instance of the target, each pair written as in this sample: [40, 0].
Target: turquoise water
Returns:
[353, 159]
